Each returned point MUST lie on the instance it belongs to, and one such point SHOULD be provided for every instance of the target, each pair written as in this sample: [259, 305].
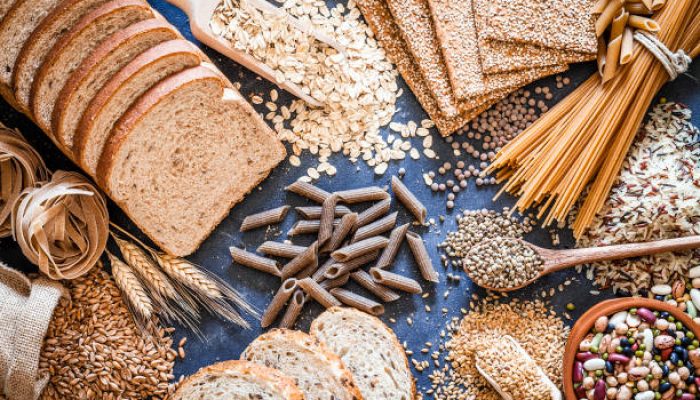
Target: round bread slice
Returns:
[370, 350]
[103, 63]
[183, 154]
[69, 52]
[237, 380]
[122, 90]
[44, 37]
[319, 373]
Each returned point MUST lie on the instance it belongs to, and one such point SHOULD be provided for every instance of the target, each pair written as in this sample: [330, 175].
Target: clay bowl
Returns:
[609, 307]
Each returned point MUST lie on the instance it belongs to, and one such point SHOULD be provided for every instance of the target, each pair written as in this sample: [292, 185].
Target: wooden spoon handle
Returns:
[567, 258]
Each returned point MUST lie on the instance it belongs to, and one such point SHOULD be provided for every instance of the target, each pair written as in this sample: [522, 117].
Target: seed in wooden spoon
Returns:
[502, 263]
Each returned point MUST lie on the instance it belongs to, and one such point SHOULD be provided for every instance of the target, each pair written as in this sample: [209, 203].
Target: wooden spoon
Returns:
[557, 260]
[200, 13]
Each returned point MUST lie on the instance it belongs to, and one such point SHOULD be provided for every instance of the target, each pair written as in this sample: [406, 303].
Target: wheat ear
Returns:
[131, 287]
[147, 269]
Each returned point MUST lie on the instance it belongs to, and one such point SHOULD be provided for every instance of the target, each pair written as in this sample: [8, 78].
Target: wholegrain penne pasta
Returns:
[606, 17]
[318, 293]
[648, 3]
[296, 305]
[361, 195]
[329, 284]
[420, 253]
[314, 212]
[320, 273]
[308, 271]
[644, 23]
[409, 200]
[602, 49]
[376, 228]
[303, 260]
[614, 45]
[279, 249]
[325, 230]
[339, 269]
[357, 249]
[362, 303]
[637, 9]
[308, 190]
[389, 253]
[627, 46]
[306, 227]
[365, 280]
[346, 225]
[656, 5]
[395, 281]
[371, 214]
[265, 218]
[599, 6]
[278, 301]
[250, 260]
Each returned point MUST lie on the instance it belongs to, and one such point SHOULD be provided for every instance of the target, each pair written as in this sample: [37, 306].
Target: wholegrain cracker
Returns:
[498, 56]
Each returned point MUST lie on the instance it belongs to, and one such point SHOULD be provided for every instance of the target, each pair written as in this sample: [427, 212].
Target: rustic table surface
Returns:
[224, 341]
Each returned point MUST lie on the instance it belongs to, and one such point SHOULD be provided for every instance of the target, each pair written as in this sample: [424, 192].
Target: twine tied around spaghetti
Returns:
[674, 63]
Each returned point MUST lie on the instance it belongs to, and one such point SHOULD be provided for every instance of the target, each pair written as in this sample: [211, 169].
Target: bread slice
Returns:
[69, 52]
[319, 373]
[44, 37]
[5, 6]
[237, 380]
[182, 156]
[105, 61]
[370, 350]
[122, 90]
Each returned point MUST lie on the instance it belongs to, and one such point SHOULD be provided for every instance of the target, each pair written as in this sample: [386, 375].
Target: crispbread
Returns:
[498, 56]
[319, 373]
[370, 350]
[557, 24]
[238, 380]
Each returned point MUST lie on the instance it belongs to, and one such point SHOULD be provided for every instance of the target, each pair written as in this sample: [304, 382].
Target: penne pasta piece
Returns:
[374, 212]
[606, 17]
[250, 260]
[339, 269]
[308, 190]
[599, 6]
[296, 305]
[395, 281]
[376, 228]
[365, 280]
[329, 284]
[318, 293]
[314, 212]
[265, 218]
[303, 260]
[613, 56]
[602, 49]
[278, 301]
[395, 239]
[325, 230]
[346, 225]
[308, 271]
[643, 23]
[637, 9]
[306, 227]
[420, 253]
[359, 248]
[648, 3]
[320, 273]
[627, 46]
[656, 5]
[409, 200]
[360, 302]
[278, 249]
[361, 195]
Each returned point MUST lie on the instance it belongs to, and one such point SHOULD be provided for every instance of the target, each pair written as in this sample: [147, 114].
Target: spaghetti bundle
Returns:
[583, 140]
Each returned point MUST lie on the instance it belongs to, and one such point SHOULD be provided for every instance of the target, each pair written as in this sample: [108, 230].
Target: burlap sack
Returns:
[26, 308]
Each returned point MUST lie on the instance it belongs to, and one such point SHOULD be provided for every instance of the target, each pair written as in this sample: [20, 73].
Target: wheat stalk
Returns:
[147, 269]
[188, 274]
[131, 287]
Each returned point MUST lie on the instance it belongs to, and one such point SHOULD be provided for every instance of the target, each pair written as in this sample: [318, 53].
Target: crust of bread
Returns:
[284, 384]
[110, 45]
[58, 47]
[166, 49]
[378, 323]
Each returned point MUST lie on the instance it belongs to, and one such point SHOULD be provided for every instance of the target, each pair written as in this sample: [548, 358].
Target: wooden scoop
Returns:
[556, 260]
[200, 13]
[556, 394]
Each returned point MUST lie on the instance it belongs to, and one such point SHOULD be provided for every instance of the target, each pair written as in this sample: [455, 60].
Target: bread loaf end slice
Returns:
[36, 48]
[69, 52]
[183, 154]
[319, 373]
[370, 350]
[122, 90]
[106, 60]
[238, 380]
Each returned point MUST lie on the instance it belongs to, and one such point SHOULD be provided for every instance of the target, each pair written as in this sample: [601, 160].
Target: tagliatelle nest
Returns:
[20, 167]
[62, 226]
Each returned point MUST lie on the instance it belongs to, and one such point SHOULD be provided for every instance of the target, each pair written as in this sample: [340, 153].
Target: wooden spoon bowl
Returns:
[608, 308]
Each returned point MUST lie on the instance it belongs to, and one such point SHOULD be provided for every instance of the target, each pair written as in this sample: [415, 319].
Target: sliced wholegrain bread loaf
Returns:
[107, 59]
[5, 6]
[319, 373]
[69, 52]
[237, 380]
[122, 90]
[42, 40]
[183, 154]
[370, 350]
